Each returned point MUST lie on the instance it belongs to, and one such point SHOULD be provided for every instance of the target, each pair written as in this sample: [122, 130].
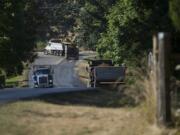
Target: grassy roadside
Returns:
[142, 92]
[83, 113]
[81, 70]
[19, 80]
[100, 112]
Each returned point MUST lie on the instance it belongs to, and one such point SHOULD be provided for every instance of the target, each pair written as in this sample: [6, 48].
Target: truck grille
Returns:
[43, 80]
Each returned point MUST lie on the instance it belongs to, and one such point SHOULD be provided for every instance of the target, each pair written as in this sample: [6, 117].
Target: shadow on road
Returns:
[97, 98]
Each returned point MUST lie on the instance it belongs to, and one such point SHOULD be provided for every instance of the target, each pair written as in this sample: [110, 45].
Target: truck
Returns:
[42, 76]
[72, 52]
[102, 72]
[54, 47]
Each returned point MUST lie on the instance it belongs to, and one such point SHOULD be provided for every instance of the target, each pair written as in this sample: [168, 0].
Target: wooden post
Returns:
[155, 72]
[163, 77]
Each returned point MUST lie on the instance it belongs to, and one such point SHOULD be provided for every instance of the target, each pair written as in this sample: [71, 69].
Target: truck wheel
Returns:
[1, 86]
[89, 84]
[96, 84]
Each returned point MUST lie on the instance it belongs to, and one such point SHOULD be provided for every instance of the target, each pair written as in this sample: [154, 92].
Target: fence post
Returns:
[161, 51]
[155, 72]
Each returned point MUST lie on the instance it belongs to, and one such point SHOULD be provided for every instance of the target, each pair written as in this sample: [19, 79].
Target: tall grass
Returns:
[141, 86]
[150, 104]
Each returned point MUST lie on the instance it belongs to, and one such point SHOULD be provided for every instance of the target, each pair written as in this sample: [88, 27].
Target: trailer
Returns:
[102, 72]
[71, 51]
[54, 47]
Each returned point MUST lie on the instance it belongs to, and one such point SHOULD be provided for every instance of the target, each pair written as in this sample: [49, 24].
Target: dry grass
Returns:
[150, 99]
[87, 113]
[81, 70]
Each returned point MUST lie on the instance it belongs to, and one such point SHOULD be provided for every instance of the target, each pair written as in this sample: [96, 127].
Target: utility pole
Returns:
[162, 55]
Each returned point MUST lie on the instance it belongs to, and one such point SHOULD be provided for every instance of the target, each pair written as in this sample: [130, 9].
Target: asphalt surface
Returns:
[15, 94]
[65, 79]
[44, 60]
[64, 73]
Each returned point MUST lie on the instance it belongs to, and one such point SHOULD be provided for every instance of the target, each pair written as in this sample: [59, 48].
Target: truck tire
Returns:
[1, 86]
[90, 84]
[45, 53]
[96, 84]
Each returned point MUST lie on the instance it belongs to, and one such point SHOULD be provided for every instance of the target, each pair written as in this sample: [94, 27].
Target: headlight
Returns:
[50, 81]
[35, 81]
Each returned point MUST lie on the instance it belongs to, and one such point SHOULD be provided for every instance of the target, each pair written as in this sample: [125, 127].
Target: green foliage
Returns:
[92, 21]
[17, 34]
[40, 45]
[130, 27]
[57, 18]
[119, 29]
[175, 12]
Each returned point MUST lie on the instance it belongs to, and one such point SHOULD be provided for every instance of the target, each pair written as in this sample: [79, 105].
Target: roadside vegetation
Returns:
[80, 113]
[40, 45]
[120, 30]
[18, 81]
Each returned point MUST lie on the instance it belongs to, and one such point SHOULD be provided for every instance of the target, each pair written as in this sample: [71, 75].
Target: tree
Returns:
[92, 21]
[130, 28]
[175, 12]
[16, 42]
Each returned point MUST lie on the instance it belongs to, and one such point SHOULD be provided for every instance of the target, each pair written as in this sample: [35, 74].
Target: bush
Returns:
[2, 81]
[40, 45]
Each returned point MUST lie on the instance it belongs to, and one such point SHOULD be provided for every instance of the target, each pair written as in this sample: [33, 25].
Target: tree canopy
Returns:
[118, 29]
[130, 27]
[17, 30]
[175, 12]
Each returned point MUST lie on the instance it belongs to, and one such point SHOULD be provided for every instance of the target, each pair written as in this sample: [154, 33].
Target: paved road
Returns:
[15, 94]
[65, 79]
[64, 73]
[44, 60]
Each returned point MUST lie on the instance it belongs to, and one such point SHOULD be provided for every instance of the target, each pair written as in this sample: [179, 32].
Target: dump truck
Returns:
[102, 72]
[71, 51]
[54, 47]
[42, 76]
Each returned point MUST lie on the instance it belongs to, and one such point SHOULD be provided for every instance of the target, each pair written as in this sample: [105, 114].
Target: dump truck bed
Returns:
[109, 74]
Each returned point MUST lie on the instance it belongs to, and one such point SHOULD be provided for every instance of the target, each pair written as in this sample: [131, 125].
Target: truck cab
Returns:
[42, 77]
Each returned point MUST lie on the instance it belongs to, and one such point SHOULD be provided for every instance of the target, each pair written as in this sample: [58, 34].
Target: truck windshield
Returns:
[43, 71]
